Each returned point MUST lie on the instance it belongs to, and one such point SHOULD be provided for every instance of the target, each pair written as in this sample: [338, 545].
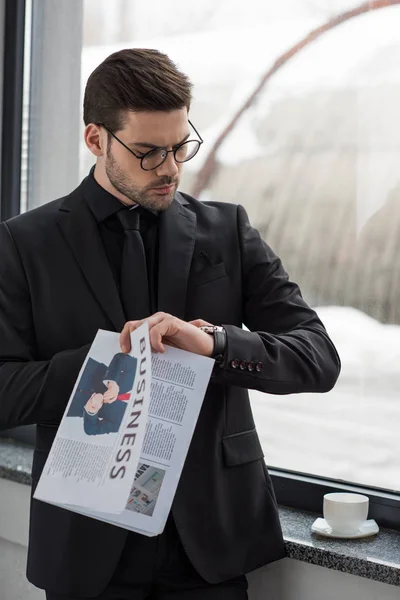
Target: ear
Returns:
[95, 139]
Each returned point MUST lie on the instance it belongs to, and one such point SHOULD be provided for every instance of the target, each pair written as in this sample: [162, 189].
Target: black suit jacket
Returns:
[57, 290]
[107, 420]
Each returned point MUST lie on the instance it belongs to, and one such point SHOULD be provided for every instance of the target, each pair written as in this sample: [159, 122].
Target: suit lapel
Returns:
[176, 245]
[80, 230]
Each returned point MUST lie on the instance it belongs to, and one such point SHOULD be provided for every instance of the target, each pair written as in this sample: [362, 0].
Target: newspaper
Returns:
[123, 440]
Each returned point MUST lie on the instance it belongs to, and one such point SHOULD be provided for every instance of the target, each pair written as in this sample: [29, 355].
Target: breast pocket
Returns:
[210, 273]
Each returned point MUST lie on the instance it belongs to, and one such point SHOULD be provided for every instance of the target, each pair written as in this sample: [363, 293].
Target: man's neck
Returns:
[101, 178]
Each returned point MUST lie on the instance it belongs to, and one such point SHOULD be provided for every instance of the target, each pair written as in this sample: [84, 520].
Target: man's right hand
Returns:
[167, 329]
[94, 404]
[112, 392]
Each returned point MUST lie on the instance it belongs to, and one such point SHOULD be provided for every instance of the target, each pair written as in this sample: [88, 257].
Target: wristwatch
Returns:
[219, 334]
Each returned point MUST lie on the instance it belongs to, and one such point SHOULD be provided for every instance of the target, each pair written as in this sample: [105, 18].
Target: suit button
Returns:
[234, 363]
[243, 365]
[259, 367]
[251, 366]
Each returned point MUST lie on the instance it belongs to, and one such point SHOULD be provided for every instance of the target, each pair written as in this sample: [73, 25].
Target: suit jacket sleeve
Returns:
[110, 421]
[286, 339]
[31, 391]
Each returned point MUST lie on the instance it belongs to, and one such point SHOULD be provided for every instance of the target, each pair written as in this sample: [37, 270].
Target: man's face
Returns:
[142, 132]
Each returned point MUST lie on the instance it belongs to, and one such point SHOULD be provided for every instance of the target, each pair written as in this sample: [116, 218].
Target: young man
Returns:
[124, 246]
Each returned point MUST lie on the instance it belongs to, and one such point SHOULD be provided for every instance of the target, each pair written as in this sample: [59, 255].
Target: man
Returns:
[100, 417]
[90, 383]
[102, 393]
[81, 263]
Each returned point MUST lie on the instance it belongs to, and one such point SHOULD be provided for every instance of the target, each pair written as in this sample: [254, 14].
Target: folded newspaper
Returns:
[122, 443]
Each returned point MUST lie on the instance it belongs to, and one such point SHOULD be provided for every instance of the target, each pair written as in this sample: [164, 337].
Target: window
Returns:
[314, 162]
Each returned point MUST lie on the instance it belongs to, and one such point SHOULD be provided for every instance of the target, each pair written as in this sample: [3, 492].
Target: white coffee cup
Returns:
[345, 512]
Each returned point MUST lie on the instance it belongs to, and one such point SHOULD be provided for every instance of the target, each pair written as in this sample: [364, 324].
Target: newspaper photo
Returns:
[94, 457]
[144, 494]
[172, 388]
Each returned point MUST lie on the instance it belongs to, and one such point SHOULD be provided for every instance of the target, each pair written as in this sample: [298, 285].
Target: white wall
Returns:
[295, 580]
[13, 583]
[14, 519]
[284, 580]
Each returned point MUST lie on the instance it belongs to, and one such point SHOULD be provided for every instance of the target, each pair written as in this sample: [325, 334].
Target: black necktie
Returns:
[134, 284]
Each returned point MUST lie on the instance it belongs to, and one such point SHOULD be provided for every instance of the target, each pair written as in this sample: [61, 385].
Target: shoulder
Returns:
[209, 209]
[37, 221]
[123, 359]
[36, 216]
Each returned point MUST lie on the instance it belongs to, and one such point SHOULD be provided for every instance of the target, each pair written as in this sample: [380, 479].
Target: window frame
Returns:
[304, 491]
[12, 110]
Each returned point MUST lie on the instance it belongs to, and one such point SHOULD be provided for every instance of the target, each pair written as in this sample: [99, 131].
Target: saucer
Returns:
[367, 529]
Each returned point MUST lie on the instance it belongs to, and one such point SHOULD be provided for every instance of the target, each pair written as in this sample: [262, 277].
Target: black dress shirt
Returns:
[104, 207]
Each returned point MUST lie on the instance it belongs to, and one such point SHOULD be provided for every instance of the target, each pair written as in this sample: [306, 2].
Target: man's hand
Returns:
[201, 323]
[166, 329]
[112, 392]
[94, 404]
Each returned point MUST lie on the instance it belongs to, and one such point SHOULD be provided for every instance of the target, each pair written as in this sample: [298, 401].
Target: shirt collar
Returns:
[102, 203]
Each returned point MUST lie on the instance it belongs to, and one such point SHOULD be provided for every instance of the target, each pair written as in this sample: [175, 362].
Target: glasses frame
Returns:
[174, 150]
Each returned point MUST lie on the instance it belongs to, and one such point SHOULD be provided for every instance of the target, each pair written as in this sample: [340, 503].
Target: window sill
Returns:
[15, 461]
[376, 558]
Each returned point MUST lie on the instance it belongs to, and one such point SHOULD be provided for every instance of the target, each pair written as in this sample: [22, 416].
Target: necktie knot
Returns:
[129, 218]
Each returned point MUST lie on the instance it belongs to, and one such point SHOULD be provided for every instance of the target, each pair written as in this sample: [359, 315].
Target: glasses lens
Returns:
[153, 159]
[187, 150]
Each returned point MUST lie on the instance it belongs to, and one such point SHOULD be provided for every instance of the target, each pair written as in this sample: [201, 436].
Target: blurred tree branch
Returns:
[205, 174]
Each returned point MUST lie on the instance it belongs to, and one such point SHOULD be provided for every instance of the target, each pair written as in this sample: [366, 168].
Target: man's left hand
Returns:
[167, 329]
[112, 392]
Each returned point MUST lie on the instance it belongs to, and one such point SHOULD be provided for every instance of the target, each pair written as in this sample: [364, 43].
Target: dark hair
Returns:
[137, 79]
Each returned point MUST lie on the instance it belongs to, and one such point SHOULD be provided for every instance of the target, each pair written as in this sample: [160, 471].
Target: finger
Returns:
[125, 340]
[125, 337]
[151, 320]
[158, 318]
[156, 340]
[200, 323]
[167, 328]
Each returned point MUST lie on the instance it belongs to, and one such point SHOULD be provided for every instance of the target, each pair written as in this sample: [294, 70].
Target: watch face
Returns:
[207, 329]
[211, 328]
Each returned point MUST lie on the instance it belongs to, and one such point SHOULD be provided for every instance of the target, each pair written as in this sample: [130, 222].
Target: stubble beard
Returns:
[141, 196]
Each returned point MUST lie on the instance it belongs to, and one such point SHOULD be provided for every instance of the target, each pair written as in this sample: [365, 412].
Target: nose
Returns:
[169, 167]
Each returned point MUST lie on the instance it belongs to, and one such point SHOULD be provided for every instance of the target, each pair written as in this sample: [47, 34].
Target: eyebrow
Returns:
[150, 146]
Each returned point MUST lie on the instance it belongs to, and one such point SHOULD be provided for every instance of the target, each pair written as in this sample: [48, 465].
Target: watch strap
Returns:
[219, 335]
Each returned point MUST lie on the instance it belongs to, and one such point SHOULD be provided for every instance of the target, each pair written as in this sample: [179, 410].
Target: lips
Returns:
[166, 189]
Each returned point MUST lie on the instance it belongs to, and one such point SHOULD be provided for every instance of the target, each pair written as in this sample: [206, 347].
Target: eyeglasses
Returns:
[157, 156]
